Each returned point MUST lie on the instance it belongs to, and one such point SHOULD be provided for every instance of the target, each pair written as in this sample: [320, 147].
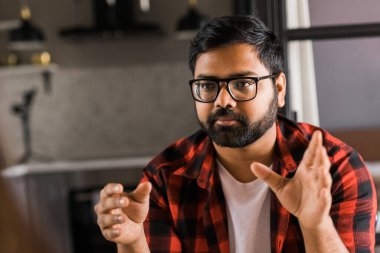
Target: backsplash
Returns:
[99, 112]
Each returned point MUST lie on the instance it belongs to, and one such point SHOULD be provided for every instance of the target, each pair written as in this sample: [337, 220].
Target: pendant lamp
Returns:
[191, 22]
[26, 36]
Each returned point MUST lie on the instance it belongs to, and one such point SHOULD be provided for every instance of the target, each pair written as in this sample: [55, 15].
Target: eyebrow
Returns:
[240, 74]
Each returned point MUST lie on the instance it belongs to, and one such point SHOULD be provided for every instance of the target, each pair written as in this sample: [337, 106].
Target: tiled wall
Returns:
[99, 112]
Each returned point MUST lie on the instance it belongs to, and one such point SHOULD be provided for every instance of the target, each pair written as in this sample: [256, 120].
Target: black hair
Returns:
[229, 30]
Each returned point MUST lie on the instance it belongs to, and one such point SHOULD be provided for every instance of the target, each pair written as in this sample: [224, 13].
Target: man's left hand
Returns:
[307, 195]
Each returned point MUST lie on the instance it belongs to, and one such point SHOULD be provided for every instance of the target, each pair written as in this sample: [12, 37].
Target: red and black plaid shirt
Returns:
[187, 207]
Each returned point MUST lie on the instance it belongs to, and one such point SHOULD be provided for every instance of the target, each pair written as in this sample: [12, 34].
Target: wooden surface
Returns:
[366, 141]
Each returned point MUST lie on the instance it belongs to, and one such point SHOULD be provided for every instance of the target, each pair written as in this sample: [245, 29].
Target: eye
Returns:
[207, 85]
[242, 83]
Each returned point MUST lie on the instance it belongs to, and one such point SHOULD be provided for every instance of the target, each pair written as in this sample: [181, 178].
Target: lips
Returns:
[226, 121]
[225, 118]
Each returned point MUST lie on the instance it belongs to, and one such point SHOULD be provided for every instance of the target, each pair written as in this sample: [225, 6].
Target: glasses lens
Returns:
[243, 89]
[205, 90]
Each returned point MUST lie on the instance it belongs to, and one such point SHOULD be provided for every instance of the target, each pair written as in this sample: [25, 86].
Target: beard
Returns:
[242, 134]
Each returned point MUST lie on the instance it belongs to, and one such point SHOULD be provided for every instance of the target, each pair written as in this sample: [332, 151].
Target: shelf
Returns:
[136, 31]
[27, 69]
[6, 25]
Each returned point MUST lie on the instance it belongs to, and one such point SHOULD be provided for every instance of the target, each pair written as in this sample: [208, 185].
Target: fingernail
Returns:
[115, 232]
[119, 218]
[116, 188]
[121, 202]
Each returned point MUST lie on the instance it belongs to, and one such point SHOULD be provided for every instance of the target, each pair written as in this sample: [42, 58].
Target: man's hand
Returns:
[121, 215]
[307, 195]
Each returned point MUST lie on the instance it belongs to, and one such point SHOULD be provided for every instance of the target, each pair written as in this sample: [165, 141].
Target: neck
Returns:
[238, 160]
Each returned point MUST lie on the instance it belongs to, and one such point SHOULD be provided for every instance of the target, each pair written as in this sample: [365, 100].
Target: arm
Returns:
[307, 196]
[140, 246]
[322, 238]
[354, 202]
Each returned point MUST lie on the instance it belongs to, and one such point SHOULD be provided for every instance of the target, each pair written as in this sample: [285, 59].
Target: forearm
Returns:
[140, 246]
[323, 238]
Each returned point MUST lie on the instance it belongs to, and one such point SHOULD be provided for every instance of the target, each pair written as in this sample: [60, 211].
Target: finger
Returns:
[111, 189]
[311, 151]
[321, 157]
[325, 160]
[325, 199]
[108, 220]
[322, 167]
[141, 193]
[111, 233]
[325, 180]
[111, 203]
[274, 181]
[318, 164]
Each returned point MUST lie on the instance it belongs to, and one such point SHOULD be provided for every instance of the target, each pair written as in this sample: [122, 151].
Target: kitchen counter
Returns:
[74, 166]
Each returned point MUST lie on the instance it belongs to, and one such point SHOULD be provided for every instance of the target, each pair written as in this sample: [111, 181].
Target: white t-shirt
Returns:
[248, 213]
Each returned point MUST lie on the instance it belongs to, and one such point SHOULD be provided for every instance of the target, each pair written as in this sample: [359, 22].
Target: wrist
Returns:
[322, 237]
[319, 226]
[140, 245]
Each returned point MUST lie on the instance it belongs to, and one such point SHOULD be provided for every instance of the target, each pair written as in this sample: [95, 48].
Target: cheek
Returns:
[257, 107]
[203, 110]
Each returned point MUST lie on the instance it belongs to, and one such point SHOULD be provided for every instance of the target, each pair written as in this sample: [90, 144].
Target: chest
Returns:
[200, 219]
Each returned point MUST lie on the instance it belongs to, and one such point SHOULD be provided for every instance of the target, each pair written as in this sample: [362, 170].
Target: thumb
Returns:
[141, 193]
[274, 181]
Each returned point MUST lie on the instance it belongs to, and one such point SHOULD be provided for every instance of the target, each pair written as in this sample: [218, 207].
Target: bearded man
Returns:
[250, 180]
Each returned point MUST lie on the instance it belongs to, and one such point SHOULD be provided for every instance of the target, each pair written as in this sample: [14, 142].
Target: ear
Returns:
[280, 84]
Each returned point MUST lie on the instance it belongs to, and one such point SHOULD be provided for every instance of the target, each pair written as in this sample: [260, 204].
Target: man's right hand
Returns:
[121, 215]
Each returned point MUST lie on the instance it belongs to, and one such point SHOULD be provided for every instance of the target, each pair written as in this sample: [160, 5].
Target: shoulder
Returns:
[299, 134]
[347, 165]
[348, 170]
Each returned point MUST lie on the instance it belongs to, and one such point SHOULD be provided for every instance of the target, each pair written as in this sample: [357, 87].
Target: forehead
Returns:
[229, 60]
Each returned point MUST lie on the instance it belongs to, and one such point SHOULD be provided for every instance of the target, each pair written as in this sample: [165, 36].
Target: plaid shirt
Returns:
[187, 207]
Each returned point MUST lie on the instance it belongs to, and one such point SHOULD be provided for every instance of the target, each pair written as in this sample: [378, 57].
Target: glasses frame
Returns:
[227, 81]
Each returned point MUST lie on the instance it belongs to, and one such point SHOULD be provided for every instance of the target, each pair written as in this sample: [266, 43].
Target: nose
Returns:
[224, 98]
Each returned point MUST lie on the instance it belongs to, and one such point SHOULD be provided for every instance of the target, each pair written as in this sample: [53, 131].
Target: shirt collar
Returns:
[199, 161]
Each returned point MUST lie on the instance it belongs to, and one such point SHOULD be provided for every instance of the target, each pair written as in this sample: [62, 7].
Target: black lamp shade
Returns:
[25, 33]
[193, 20]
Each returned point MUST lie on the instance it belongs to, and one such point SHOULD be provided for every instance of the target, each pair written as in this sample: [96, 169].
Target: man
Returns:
[250, 180]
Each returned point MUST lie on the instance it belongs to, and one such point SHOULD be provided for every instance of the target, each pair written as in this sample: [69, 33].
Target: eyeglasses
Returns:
[206, 90]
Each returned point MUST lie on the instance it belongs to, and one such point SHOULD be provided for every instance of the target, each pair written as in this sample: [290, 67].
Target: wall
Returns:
[100, 112]
[110, 98]
[53, 15]
[347, 70]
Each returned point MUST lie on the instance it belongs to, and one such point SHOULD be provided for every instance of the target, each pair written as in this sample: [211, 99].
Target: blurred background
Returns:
[90, 90]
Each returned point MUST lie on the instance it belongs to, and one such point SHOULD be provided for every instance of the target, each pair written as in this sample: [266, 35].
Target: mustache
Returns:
[226, 112]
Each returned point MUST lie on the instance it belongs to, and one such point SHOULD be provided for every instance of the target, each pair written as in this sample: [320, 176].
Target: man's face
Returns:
[237, 124]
